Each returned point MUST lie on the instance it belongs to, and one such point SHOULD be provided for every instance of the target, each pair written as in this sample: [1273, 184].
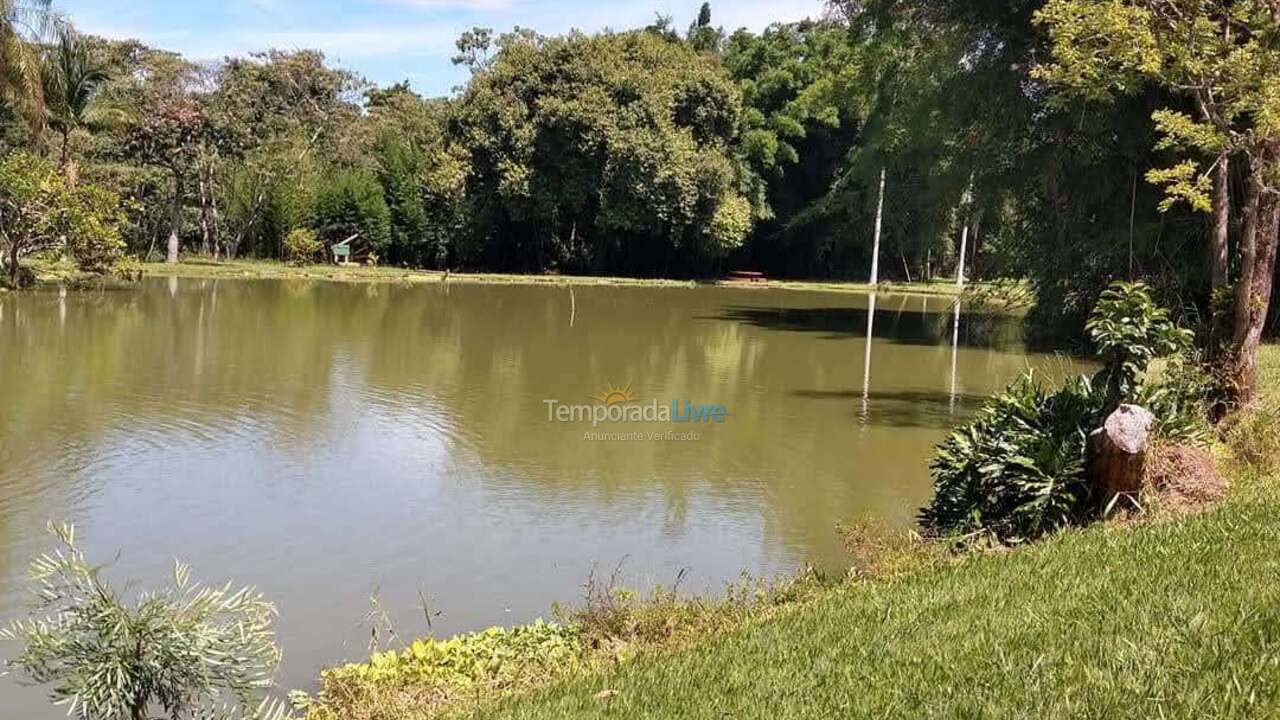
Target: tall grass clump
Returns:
[1253, 433]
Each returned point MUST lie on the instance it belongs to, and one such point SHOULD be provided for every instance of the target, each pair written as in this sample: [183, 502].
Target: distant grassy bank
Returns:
[359, 273]
[1171, 616]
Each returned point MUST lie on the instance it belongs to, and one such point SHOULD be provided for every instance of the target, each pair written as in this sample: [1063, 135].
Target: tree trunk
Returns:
[1253, 291]
[975, 245]
[875, 247]
[1118, 452]
[13, 263]
[964, 244]
[216, 219]
[206, 229]
[1221, 220]
[65, 163]
[175, 217]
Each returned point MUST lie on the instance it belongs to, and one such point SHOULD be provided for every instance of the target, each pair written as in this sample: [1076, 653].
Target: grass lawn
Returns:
[270, 269]
[1177, 618]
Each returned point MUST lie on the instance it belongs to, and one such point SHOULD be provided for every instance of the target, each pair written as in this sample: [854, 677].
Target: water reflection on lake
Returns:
[327, 442]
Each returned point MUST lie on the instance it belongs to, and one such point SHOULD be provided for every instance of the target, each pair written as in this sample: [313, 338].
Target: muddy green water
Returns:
[330, 442]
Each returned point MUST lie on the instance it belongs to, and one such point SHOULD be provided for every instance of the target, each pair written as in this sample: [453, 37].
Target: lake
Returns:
[331, 443]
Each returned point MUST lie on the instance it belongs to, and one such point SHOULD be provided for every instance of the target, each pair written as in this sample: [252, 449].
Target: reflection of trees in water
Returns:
[896, 321]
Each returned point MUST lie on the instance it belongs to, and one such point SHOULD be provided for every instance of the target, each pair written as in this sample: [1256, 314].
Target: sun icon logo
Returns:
[615, 395]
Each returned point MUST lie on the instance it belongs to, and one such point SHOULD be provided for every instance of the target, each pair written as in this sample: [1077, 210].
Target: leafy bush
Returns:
[1129, 330]
[1181, 398]
[30, 195]
[91, 220]
[192, 650]
[301, 246]
[351, 203]
[1017, 471]
[38, 211]
[430, 674]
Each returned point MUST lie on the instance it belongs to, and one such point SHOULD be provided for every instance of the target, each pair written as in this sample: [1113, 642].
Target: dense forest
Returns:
[976, 128]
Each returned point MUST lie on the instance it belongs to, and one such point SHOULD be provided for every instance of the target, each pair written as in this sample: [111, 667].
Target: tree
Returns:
[602, 153]
[400, 169]
[90, 219]
[1223, 56]
[29, 199]
[71, 79]
[802, 113]
[350, 205]
[702, 36]
[20, 83]
[272, 118]
[168, 136]
[194, 651]
[39, 210]
[474, 48]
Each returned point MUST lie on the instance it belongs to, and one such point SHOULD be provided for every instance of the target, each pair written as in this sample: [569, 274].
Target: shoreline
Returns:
[273, 270]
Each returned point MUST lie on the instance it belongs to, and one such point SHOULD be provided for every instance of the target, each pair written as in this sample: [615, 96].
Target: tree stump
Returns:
[1118, 452]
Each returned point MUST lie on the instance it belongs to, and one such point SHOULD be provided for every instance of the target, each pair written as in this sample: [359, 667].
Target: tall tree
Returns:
[72, 78]
[604, 153]
[21, 21]
[1223, 57]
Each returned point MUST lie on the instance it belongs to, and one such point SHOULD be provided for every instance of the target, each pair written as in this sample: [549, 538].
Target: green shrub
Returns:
[1129, 330]
[192, 650]
[1017, 471]
[38, 211]
[351, 203]
[30, 195]
[302, 247]
[431, 674]
[1181, 398]
[91, 220]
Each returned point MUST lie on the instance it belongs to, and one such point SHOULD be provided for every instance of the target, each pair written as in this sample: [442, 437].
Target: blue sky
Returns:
[387, 40]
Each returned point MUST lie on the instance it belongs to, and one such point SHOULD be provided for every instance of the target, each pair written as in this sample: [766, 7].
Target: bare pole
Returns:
[966, 202]
[875, 249]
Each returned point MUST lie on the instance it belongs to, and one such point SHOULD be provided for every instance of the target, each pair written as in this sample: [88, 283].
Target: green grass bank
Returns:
[251, 269]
